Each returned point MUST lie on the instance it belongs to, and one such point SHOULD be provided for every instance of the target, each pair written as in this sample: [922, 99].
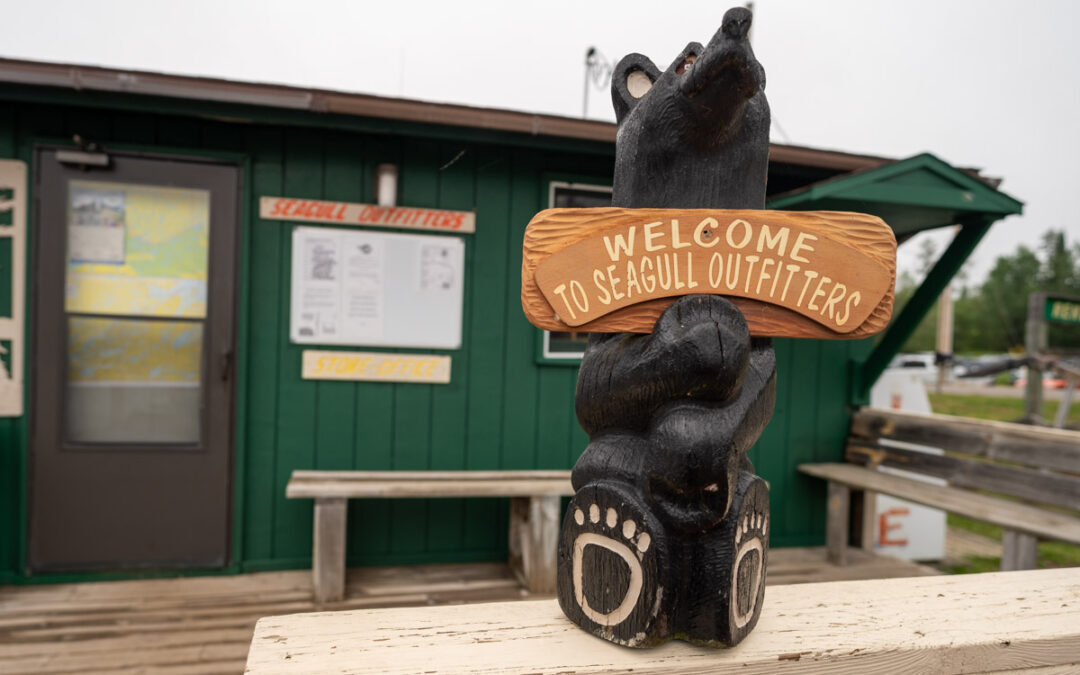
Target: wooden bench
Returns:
[534, 514]
[973, 623]
[1022, 478]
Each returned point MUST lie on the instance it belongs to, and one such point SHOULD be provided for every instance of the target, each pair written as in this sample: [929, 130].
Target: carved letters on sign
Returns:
[592, 268]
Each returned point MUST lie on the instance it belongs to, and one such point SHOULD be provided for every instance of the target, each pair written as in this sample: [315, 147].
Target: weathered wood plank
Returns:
[1037, 486]
[837, 523]
[328, 552]
[947, 624]
[534, 538]
[1019, 551]
[354, 484]
[1038, 447]
[432, 476]
[1019, 517]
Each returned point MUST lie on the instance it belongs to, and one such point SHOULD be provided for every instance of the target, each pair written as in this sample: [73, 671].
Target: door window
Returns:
[135, 299]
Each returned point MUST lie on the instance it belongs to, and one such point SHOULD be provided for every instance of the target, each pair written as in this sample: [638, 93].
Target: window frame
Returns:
[544, 354]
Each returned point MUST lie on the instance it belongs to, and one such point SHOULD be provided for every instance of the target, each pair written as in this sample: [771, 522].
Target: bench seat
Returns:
[1023, 479]
[1008, 514]
[534, 514]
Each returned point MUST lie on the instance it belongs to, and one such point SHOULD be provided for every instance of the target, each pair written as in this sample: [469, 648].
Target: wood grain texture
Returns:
[949, 624]
[534, 538]
[553, 230]
[1019, 551]
[1010, 515]
[1043, 487]
[328, 550]
[1027, 445]
[166, 625]
[836, 523]
[442, 484]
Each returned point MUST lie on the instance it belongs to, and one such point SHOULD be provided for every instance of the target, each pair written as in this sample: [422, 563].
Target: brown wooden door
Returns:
[131, 421]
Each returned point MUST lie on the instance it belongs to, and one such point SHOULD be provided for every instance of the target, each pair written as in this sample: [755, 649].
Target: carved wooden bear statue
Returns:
[666, 536]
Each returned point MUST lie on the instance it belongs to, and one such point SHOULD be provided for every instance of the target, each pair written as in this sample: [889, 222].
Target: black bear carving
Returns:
[666, 536]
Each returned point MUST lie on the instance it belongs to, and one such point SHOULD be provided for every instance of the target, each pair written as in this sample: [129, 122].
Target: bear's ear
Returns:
[630, 81]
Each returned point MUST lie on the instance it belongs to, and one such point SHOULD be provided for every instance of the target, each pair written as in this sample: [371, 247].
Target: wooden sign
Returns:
[375, 367]
[13, 238]
[1062, 310]
[791, 273]
[346, 213]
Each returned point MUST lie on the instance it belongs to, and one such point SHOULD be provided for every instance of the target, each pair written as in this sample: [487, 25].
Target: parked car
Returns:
[921, 364]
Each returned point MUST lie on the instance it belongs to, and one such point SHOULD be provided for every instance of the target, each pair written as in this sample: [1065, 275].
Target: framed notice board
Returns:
[366, 288]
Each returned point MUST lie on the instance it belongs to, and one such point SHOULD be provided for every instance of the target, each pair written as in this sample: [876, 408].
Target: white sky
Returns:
[980, 83]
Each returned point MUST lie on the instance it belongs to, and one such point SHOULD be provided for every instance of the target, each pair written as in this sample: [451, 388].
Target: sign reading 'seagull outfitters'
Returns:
[800, 274]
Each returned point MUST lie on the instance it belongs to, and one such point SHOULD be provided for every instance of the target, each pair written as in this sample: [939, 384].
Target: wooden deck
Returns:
[204, 625]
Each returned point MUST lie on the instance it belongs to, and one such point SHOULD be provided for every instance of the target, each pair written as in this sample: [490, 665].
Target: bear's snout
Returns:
[736, 22]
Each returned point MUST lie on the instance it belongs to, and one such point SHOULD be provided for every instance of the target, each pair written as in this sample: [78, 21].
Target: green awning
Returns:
[911, 195]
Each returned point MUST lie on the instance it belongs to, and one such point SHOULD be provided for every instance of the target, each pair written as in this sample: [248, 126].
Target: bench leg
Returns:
[1018, 551]
[868, 521]
[534, 537]
[836, 523]
[328, 553]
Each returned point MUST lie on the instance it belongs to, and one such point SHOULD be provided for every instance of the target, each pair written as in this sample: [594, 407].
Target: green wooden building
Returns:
[153, 403]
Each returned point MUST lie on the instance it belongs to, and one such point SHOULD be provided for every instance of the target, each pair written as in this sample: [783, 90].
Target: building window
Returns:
[560, 347]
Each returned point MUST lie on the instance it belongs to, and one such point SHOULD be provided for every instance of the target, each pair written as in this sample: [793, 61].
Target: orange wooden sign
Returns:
[348, 213]
[792, 273]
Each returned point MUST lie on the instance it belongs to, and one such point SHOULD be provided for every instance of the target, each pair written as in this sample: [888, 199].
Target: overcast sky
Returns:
[980, 83]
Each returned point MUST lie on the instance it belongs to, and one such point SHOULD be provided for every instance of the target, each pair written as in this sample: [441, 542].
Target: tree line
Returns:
[991, 317]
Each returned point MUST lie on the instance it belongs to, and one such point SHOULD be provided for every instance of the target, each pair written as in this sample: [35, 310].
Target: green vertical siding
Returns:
[501, 409]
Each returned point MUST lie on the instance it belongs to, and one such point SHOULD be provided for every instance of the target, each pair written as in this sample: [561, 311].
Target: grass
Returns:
[1003, 408]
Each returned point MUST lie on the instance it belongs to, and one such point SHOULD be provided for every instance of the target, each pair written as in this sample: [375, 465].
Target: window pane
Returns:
[132, 381]
[566, 344]
[137, 250]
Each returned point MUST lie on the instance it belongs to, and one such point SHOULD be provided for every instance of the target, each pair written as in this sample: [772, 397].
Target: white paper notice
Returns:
[437, 271]
[353, 287]
[96, 229]
[363, 286]
[339, 295]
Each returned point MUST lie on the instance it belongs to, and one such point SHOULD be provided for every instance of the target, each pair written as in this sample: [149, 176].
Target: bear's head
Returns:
[697, 134]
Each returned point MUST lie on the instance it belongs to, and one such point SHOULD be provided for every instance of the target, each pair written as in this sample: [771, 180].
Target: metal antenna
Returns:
[598, 71]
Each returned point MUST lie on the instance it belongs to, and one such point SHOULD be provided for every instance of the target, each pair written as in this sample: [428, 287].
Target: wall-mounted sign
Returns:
[13, 229]
[793, 274]
[1063, 310]
[357, 287]
[375, 367]
[346, 213]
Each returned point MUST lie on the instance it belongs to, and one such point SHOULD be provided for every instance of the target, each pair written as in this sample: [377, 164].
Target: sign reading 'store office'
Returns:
[800, 274]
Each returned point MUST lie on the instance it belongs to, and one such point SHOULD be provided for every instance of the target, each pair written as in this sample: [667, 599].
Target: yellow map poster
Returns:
[162, 273]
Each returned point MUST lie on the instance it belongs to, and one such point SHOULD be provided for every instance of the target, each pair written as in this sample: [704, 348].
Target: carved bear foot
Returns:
[624, 577]
[721, 598]
[613, 565]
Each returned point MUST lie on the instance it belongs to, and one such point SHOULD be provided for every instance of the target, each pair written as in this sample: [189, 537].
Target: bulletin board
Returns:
[366, 288]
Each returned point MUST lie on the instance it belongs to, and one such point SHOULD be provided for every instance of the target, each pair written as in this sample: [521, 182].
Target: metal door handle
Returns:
[226, 364]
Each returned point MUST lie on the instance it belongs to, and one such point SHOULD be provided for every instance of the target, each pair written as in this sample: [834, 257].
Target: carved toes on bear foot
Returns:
[748, 569]
[609, 565]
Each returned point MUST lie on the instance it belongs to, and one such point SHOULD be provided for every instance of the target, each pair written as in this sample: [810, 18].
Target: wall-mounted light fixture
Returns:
[386, 184]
